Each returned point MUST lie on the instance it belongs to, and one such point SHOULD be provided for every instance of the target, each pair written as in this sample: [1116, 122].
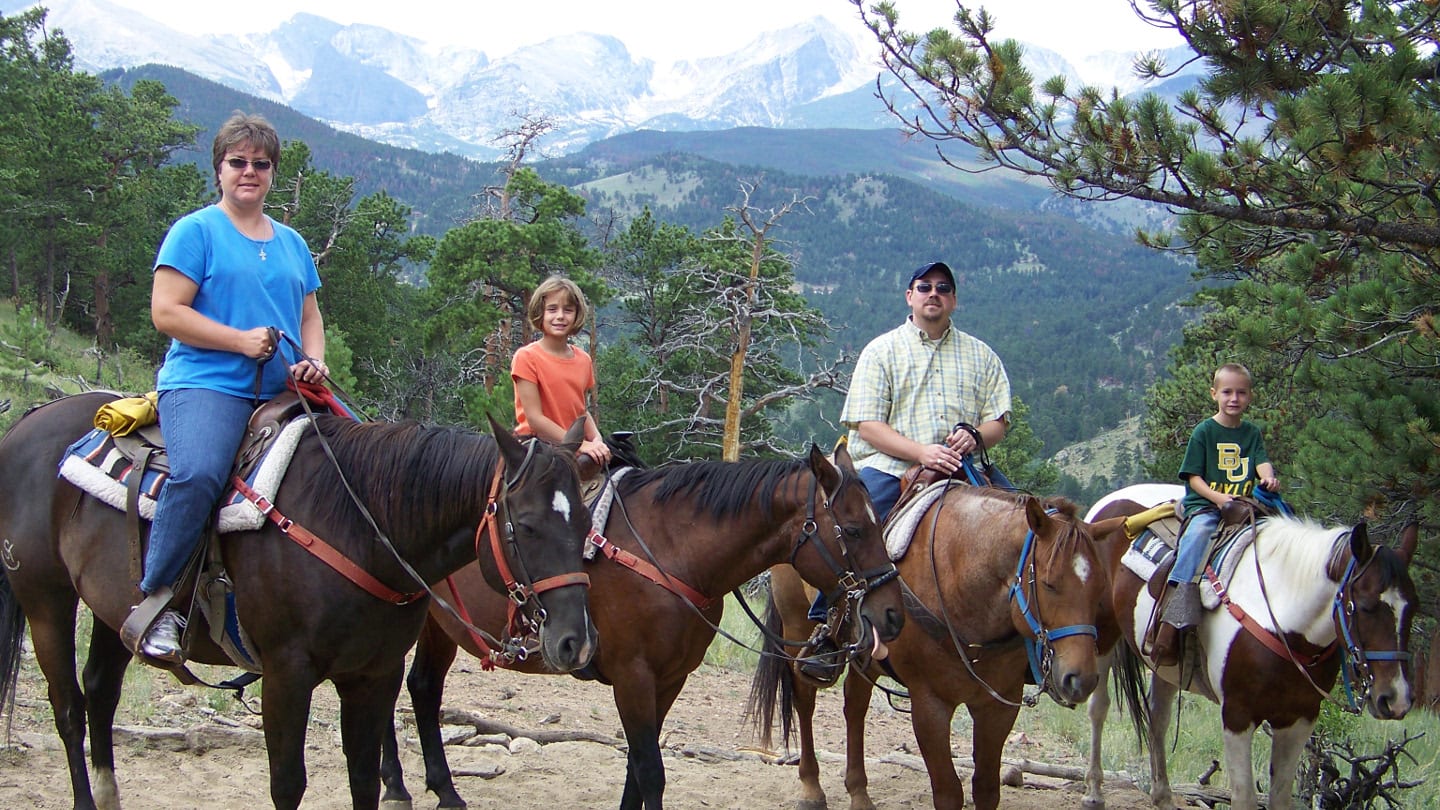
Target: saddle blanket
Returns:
[94, 465]
[1149, 551]
[600, 509]
[900, 528]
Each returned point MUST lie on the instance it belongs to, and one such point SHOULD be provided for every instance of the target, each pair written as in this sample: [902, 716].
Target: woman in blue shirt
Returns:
[224, 275]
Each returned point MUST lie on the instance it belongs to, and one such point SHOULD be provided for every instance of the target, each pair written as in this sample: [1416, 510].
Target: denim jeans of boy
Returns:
[203, 430]
[1194, 544]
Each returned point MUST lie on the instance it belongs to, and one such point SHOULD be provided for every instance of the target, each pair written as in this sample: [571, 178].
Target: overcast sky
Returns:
[662, 30]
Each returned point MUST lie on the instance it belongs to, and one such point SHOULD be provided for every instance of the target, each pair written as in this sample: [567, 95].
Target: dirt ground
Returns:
[182, 747]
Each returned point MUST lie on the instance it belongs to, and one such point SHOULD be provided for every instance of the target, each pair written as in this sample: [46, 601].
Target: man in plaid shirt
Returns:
[914, 384]
[912, 387]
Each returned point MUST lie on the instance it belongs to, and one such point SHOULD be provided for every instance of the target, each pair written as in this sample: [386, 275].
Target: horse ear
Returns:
[1360, 547]
[511, 450]
[825, 472]
[575, 434]
[841, 457]
[1409, 537]
[1035, 513]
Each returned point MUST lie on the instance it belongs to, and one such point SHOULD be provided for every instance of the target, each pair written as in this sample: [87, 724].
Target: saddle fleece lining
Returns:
[237, 514]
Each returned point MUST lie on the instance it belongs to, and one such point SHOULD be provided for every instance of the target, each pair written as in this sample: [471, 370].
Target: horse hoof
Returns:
[1088, 803]
[397, 804]
[810, 804]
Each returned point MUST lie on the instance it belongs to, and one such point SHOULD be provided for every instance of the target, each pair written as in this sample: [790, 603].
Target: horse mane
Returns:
[407, 474]
[1291, 544]
[723, 488]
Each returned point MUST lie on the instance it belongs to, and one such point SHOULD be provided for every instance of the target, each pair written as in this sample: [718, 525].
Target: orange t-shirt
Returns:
[563, 384]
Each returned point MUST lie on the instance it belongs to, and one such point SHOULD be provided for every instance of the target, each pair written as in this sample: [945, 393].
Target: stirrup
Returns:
[142, 617]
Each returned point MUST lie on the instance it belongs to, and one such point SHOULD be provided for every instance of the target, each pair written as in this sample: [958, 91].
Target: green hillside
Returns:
[1082, 317]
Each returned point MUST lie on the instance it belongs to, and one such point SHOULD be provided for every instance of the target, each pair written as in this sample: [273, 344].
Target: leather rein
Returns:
[1357, 658]
[525, 606]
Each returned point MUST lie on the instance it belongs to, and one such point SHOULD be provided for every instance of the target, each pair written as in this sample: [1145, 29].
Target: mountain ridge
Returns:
[400, 90]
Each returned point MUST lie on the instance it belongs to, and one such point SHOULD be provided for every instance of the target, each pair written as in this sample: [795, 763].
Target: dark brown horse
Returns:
[426, 489]
[706, 528]
[1306, 603]
[996, 584]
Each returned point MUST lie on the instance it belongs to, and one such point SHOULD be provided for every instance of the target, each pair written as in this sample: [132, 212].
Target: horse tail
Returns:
[12, 638]
[772, 678]
[1127, 673]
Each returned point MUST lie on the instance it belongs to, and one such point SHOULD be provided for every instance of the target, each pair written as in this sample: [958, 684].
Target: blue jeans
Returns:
[203, 430]
[884, 490]
[1194, 545]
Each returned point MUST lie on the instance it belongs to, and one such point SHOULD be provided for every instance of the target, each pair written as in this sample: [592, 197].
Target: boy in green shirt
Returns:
[1224, 459]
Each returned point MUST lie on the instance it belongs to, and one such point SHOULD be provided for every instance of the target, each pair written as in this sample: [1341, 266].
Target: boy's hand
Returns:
[1271, 484]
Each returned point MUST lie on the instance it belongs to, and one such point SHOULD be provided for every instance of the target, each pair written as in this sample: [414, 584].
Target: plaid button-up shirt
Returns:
[922, 388]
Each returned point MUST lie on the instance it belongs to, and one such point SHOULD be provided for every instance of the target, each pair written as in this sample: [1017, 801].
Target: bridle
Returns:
[525, 610]
[1357, 658]
[852, 586]
[1040, 648]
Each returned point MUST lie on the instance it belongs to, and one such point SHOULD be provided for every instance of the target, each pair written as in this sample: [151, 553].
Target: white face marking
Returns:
[561, 504]
[1397, 605]
[1082, 568]
[870, 510]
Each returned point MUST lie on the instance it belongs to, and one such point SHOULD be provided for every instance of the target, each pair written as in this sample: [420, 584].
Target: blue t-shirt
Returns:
[242, 283]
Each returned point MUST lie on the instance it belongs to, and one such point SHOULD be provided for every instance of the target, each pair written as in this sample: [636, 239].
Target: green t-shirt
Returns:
[1225, 457]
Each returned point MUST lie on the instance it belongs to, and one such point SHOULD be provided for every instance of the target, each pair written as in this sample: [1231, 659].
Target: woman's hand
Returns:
[310, 371]
[256, 343]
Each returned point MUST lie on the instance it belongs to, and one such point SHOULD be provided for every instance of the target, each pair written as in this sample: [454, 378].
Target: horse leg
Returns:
[1162, 698]
[992, 723]
[285, 696]
[434, 655]
[52, 634]
[1098, 708]
[1239, 747]
[1286, 746]
[104, 677]
[812, 796]
[367, 708]
[857, 704]
[930, 718]
[637, 700]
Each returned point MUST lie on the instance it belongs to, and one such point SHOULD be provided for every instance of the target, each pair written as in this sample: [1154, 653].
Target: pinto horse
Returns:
[996, 584]
[683, 536]
[1306, 603]
[424, 488]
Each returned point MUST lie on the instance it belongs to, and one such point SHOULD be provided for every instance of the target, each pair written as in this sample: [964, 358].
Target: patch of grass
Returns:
[727, 654]
[1198, 739]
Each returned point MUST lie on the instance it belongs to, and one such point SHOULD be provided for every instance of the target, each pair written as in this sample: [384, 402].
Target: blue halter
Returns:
[1356, 657]
[1038, 648]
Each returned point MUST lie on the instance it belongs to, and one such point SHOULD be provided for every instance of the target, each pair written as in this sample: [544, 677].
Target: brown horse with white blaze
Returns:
[678, 538]
[1306, 604]
[428, 491]
[996, 584]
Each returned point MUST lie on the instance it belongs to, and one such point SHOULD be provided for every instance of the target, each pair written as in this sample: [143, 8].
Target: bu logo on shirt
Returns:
[1235, 466]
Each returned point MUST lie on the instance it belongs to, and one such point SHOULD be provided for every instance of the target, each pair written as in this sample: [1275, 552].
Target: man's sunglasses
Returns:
[925, 287]
[239, 164]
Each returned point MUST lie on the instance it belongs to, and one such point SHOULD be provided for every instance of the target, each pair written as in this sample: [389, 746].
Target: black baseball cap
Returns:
[929, 266]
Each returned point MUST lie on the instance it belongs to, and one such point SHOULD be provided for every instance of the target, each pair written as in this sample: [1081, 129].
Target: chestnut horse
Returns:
[684, 536]
[426, 490]
[1306, 603]
[997, 584]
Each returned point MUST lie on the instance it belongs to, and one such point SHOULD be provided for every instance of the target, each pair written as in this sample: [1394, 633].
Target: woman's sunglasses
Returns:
[239, 164]
[925, 287]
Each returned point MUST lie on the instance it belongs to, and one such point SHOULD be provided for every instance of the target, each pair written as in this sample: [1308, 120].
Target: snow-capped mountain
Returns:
[403, 91]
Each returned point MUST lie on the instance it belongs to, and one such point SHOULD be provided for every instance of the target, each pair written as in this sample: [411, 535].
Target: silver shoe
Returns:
[162, 643]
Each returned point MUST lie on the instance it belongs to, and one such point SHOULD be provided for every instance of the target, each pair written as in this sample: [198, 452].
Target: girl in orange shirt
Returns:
[554, 379]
